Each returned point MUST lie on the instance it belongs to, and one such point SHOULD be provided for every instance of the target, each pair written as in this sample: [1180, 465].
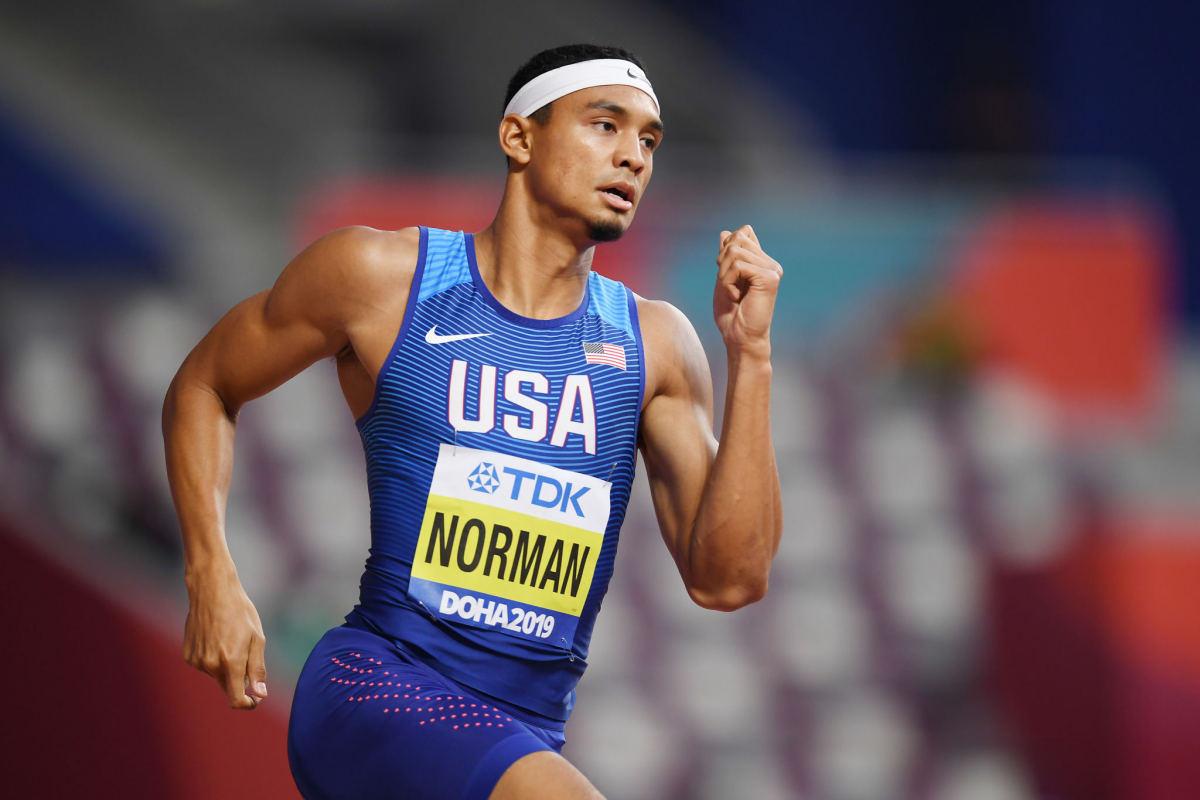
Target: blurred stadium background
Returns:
[987, 386]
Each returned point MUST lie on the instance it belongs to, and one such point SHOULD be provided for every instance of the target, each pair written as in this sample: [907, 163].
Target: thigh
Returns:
[544, 776]
[368, 724]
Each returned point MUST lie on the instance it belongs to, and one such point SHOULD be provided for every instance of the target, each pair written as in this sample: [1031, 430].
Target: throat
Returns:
[537, 296]
[530, 282]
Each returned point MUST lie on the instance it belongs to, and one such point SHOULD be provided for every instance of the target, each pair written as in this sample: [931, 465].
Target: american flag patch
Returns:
[611, 354]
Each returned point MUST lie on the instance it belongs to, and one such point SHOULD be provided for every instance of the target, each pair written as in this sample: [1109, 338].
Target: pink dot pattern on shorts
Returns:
[353, 662]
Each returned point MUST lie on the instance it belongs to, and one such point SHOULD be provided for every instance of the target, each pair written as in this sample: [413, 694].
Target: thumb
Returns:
[725, 235]
[256, 668]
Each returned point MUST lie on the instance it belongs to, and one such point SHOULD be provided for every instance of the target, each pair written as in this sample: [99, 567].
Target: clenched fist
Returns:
[744, 298]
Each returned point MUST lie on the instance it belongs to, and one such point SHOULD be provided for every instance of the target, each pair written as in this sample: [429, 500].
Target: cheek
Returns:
[569, 169]
[561, 182]
[572, 174]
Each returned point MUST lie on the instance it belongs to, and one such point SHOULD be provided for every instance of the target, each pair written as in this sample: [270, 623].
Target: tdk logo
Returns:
[544, 491]
[483, 479]
[529, 487]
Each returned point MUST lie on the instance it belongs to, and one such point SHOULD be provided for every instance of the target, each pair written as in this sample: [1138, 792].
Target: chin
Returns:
[605, 230]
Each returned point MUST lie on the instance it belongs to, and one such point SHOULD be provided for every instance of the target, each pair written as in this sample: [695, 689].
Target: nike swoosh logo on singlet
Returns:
[434, 338]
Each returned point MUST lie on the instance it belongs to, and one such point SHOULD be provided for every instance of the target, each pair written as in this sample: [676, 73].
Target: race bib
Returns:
[509, 544]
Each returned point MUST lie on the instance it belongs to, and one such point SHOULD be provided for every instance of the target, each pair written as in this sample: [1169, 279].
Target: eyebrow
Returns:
[616, 108]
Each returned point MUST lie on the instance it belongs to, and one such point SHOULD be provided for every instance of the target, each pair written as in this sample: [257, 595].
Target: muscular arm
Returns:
[345, 293]
[718, 508]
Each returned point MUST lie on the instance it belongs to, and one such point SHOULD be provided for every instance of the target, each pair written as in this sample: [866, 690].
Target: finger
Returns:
[191, 653]
[743, 235]
[736, 278]
[741, 245]
[735, 253]
[745, 274]
[750, 270]
[738, 253]
[256, 671]
[727, 277]
[731, 239]
[733, 291]
[234, 676]
[745, 239]
[726, 238]
[254, 701]
[211, 665]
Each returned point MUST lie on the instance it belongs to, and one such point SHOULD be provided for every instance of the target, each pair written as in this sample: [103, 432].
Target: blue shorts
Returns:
[371, 721]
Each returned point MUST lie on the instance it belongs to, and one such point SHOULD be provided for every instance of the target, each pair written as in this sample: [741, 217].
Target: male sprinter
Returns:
[501, 390]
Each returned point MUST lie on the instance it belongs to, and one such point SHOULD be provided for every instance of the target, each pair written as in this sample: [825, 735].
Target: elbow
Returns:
[169, 404]
[184, 388]
[173, 398]
[729, 598]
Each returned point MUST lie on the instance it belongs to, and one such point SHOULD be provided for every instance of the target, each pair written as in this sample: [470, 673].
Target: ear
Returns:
[516, 138]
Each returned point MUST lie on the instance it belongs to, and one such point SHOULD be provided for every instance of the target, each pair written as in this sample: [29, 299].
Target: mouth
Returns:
[619, 196]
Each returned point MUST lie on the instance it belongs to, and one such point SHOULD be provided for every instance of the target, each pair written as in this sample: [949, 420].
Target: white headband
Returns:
[559, 82]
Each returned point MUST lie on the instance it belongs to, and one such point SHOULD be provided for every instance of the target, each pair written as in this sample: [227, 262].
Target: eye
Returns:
[606, 126]
[650, 142]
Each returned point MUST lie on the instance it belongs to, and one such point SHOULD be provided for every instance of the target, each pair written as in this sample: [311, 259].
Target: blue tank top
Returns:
[500, 453]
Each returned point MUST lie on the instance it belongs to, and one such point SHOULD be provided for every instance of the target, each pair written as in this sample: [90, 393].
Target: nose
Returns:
[629, 152]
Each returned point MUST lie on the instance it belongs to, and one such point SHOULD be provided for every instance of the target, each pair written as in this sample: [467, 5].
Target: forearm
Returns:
[738, 524]
[198, 430]
[262, 342]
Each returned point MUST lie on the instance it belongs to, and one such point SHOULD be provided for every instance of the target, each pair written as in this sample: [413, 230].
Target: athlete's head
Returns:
[585, 154]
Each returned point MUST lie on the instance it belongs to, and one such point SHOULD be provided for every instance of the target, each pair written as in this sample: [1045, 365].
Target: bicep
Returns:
[677, 440]
[255, 348]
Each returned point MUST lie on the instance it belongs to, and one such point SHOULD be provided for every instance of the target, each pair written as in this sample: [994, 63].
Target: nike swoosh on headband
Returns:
[549, 86]
[433, 338]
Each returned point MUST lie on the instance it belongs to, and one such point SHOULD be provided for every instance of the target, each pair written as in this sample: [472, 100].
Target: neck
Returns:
[530, 261]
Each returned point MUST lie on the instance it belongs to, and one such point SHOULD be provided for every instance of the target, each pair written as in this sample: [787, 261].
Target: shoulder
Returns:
[666, 330]
[359, 256]
[675, 360]
[659, 318]
[350, 270]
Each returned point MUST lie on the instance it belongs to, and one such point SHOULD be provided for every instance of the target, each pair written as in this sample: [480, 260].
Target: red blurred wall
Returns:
[1071, 294]
[99, 704]
[1096, 663]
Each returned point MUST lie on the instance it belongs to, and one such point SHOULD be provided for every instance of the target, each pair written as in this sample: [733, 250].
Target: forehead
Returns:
[636, 103]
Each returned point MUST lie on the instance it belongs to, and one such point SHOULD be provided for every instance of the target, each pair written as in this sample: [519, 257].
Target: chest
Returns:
[566, 390]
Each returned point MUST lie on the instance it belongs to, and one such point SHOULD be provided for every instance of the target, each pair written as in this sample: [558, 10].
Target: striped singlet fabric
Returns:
[500, 453]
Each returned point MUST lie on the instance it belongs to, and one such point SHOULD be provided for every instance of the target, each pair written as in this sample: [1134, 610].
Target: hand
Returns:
[223, 636]
[744, 298]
